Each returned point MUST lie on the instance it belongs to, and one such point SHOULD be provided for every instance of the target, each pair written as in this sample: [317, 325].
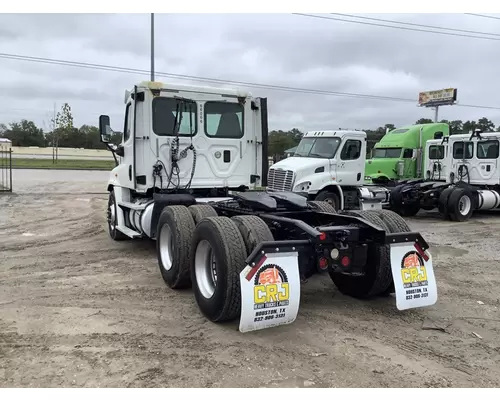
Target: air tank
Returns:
[488, 199]
[140, 220]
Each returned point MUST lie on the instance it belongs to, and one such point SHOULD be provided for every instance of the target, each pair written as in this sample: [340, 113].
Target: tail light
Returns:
[323, 263]
[345, 261]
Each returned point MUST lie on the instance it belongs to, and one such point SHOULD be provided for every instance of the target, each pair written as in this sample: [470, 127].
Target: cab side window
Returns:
[351, 150]
[128, 123]
[408, 153]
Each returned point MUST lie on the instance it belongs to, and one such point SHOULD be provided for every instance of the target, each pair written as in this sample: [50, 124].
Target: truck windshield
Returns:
[387, 153]
[322, 147]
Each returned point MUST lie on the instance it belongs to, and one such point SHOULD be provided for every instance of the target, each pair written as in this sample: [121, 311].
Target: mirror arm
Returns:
[112, 148]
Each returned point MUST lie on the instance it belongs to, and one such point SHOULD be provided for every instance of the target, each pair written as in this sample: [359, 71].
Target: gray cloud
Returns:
[277, 49]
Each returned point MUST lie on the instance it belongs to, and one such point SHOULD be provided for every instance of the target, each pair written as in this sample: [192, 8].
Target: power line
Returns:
[103, 67]
[482, 15]
[197, 78]
[413, 24]
[396, 27]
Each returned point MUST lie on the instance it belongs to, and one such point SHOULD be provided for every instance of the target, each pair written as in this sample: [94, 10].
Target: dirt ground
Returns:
[77, 309]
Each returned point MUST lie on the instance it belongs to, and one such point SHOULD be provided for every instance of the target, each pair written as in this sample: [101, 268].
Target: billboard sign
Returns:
[435, 98]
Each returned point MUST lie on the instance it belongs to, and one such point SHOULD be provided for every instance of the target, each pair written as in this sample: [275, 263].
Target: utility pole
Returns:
[54, 135]
[152, 47]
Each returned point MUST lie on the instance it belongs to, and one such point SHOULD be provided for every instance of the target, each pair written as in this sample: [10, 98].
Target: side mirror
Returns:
[105, 129]
[438, 135]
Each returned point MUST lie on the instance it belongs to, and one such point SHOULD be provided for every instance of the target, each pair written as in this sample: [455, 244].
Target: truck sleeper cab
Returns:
[400, 154]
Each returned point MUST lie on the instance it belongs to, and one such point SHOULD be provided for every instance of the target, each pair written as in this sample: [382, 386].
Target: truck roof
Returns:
[466, 136]
[408, 136]
[418, 126]
[338, 133]
[193, 88]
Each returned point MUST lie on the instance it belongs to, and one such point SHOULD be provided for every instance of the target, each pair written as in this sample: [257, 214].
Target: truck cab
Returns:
[474, 158]
[184, 140]
[400, 153]
[328, 166]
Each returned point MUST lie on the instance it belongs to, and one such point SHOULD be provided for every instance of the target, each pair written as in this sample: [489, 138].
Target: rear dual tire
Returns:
[174, 239]
[173, 245]
[199, 249]
[456, 204]
[378, 277]
[396, 203]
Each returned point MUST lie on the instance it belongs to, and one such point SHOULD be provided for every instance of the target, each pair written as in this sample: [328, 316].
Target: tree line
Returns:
[65, 134]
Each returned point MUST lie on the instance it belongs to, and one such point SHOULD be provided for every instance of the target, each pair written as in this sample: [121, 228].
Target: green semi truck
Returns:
[400, 153]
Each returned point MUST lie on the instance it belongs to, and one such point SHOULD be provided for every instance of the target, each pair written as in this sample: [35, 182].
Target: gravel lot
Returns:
[77, 309]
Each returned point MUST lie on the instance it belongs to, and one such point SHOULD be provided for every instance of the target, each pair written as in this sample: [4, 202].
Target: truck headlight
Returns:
[302, 187]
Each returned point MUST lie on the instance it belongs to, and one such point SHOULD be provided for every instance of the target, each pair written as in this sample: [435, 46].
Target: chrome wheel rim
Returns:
[166, 247]
[464, 205]
[112, 215]
[205, 269]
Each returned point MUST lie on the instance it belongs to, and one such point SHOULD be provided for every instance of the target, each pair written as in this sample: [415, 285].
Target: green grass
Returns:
[62, 164]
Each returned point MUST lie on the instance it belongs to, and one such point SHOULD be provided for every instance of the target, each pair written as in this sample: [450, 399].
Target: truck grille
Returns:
[280, 180]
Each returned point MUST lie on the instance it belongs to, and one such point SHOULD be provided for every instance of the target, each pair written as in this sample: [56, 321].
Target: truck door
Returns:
[125, 171]
[409, 163]
[351, 161]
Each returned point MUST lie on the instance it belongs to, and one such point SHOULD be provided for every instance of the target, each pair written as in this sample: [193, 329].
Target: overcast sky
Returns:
[286, 50]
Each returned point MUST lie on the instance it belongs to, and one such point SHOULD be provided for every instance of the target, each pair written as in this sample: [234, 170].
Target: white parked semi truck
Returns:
[188, 159]
[329, 166]
[463, 175]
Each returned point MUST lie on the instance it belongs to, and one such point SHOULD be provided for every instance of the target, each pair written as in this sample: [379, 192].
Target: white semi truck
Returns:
[462, 175]
[187, 161]
[329, 166]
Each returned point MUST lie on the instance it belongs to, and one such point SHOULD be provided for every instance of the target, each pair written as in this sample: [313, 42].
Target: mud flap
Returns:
[413, 275]
[270, 291]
